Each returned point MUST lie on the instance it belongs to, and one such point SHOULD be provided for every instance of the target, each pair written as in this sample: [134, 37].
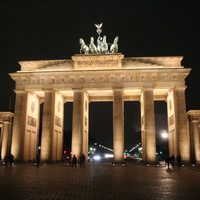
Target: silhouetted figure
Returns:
[82, 161]
[38, 161]
[74, 161]
[11, 159]
[167, 160]
[178, 159]
[172, 159]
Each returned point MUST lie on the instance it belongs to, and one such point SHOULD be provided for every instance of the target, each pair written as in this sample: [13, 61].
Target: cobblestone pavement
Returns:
[98, 181]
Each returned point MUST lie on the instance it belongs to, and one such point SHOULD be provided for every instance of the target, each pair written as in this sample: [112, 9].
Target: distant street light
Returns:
[164, 134]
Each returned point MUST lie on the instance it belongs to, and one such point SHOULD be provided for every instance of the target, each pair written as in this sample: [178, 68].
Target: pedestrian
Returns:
[74, 161]
[167, 160]
[178, 159]
[83, 160]
[80, 158]
[172, 159]
[38, 161]
[11, 159]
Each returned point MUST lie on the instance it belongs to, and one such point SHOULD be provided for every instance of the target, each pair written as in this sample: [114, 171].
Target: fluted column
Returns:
[148, 127]
[47, 126]
[182, 129]
[118, 125]
[18, 125]
[196, 140]
[6, 140]
[77, 123]
[1, 139]
[194, 129]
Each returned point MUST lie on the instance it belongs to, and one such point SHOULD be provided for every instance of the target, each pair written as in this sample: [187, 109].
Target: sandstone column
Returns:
[181, 120]
[47, 126]
[118, 125]
[194, 124]
[18, 125]
[195, 141]
[6, 142]
[1, 139]
[77, 123]
[172, 125]
[148, 127]
[85, 132]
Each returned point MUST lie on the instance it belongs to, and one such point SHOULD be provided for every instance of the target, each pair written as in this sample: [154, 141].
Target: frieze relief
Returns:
[171, 120]
[63, 81]
[154, 78]
[23, 82]
[31, 121]
[98, 79]
[52, 81]
[143, 78]
[33, 81]
[43, 81]
[58, 121]
[98, 64]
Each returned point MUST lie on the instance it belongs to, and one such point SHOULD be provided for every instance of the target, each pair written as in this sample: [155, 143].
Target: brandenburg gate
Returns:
[98, 73]
[97, 77]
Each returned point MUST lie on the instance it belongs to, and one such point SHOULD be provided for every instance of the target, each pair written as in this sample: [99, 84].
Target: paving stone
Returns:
[98, 181]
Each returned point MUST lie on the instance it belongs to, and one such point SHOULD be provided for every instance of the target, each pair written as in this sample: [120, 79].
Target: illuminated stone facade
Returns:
[194, 130]
[97, 77]
[6, 119]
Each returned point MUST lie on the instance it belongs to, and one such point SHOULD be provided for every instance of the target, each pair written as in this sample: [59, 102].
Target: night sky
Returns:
[39, 30]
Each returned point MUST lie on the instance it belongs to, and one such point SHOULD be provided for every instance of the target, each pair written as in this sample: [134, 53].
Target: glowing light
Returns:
[97, 157]
[164, 134]
[108, 155]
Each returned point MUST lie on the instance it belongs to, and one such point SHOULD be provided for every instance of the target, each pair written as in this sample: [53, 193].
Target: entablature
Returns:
[126, 78]
[101, 62]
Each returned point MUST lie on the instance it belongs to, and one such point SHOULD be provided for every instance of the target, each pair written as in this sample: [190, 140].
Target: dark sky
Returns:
[37, 30]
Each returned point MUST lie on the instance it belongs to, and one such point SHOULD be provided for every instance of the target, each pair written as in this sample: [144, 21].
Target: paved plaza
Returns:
[98, 181]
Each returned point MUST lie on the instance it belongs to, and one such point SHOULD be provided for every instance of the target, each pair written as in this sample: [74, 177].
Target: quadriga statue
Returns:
[114, 46]
[84, 48]
[92, 46]
[104, 48]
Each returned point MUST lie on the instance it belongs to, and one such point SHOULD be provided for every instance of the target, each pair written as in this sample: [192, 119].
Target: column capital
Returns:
[77, 89]
[20, 91]
[180, 88]
[118, 88]
[52, 91]
[147, 89]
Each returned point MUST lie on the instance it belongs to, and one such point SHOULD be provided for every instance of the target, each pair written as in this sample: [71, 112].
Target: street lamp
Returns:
[164, 134]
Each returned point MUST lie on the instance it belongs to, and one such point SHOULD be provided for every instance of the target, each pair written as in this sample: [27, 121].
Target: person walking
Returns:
[172, 159]
[167, 160]
[11, 159]
[83, 160]
[38, 161]
[74, 161]
[178, 159]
